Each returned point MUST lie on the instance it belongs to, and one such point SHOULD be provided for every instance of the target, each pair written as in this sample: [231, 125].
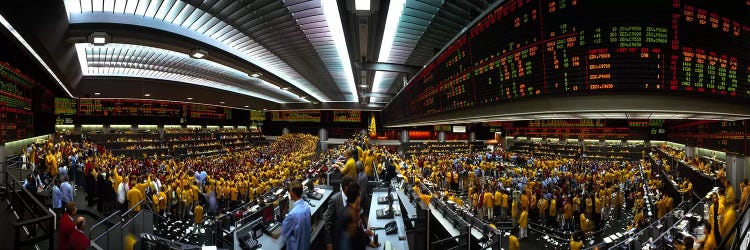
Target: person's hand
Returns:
[370, 232]
[374, 244]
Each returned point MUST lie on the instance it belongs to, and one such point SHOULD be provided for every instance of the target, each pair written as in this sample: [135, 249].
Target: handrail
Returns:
[107, 231]
[106, 219]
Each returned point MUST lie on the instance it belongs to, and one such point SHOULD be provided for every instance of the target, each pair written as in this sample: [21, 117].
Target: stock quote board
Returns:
[528, 48]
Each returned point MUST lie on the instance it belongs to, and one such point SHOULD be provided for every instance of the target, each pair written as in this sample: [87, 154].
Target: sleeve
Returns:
[288, 226]
[330, 216]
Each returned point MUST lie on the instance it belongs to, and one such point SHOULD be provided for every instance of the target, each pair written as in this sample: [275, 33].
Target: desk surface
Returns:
[271, 243]
[450, 228]
[373, 221]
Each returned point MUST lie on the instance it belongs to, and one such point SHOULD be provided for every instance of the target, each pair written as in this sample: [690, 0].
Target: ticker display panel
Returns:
[126, 107]
[347, 116]
[16, 116]
[295, 116]
[210, 112]
[257, 115]
[531, 48]
[65, 106]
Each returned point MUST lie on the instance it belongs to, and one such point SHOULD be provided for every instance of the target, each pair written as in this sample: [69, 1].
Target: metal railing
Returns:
[32, 214]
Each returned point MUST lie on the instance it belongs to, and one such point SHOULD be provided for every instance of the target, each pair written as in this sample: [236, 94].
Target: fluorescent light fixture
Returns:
[147, 95]
[190, 98]
[99, 38]
[265, 109]
[247, 106]
[364, 86]
[97, 93]
[362, 4]
[303, 97]
[285, 88]
[256, 75]
[31, 50]
[331, 13]
[198, 53]
[395, 10]
[221, 102]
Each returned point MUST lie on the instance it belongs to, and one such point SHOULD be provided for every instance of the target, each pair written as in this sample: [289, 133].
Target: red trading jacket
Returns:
[78, 241]
[65, 228]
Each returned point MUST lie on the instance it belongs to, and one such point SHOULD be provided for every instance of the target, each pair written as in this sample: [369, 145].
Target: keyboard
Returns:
[274, 230]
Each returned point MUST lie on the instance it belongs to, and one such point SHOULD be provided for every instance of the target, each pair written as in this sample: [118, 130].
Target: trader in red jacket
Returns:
[66, 226]
[78, 240]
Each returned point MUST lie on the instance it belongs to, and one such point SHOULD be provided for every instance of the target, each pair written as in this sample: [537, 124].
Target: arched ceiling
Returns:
[304, 52]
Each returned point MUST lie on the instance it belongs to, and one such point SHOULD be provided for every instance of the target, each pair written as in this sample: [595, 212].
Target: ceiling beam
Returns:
[389, 67]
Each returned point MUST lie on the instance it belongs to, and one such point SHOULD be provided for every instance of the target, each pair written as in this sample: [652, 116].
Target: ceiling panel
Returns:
[272, 34]
[135, 61]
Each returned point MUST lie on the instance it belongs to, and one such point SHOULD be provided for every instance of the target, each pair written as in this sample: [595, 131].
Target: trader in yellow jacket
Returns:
[513, 243]
[523, 223]
[488, 204]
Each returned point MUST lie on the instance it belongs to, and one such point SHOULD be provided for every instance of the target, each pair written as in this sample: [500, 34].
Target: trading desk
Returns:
[373, 221]
[269, 242]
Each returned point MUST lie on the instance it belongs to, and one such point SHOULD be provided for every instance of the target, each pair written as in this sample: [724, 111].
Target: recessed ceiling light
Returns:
[265, 109]
[198, 53]
[221, 102]
[303, 97]
[285, 88]
[147, 95]
[99, 38]
[190, 98]
[256, 75]
[247, 106]
[362, 4]
[364, 86]
[97, 93]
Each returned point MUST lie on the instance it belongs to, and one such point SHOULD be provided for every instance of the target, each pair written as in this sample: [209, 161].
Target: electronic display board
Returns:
[210, 112]
[347, 116]
[533, 48]
[15, 104]
[66, 106]
[257, 115]
[295, 116]
[126, 107]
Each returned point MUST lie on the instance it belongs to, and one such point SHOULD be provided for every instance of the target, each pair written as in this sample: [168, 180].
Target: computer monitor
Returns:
[283, 206]
[267, 214]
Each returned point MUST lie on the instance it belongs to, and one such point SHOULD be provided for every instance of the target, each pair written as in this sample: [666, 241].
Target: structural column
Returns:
[323, 135]
[441, 136]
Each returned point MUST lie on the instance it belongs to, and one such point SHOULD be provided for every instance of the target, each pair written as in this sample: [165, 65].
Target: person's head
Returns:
[347, 153]
[352, 194]
[57, 182]
[71, 208]
[81, 223]
[688, 242]
[345, 182]
[295, 190]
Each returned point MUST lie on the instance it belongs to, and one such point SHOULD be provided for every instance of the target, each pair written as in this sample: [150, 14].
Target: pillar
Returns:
[404, 136]
[284, 131]
[735, 170]
[323, 135]
[441, 136]
[472, 136]
[690, 151]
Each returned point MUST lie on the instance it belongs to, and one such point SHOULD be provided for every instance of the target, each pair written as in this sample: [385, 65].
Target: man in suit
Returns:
[363, 188]
[335, 207]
